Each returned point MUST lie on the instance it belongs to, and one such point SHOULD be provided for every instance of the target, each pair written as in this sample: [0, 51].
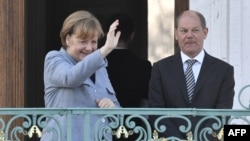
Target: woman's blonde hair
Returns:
[83, 24]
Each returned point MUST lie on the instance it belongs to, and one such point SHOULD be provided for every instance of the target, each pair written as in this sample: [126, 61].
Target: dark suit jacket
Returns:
[129, 76]
[167, 88]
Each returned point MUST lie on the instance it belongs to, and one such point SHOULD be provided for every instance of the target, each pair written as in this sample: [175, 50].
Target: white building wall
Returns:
[228, 22]
[160, 29]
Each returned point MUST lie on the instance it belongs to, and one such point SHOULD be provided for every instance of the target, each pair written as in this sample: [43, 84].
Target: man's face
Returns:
[190, 34]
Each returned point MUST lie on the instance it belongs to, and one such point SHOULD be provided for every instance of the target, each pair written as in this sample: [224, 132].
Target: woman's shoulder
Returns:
[56, 53]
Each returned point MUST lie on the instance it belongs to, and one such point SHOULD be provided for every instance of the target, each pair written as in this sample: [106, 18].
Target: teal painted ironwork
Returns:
[33, 122]
[242, 96]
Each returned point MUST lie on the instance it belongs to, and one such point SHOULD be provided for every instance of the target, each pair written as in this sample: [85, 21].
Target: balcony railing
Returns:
[19, 124]
[33, 120]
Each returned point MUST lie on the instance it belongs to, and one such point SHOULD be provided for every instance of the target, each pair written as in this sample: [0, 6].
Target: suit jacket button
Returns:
[96, 91]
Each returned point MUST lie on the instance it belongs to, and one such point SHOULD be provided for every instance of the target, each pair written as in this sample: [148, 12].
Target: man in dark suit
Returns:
[128, 73]
[214, 78]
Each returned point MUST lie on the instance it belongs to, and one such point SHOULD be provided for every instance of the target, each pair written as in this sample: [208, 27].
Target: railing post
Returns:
[69, 125]
[87, 125]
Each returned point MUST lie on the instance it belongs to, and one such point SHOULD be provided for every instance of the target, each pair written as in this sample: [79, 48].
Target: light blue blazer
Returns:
[67, 85]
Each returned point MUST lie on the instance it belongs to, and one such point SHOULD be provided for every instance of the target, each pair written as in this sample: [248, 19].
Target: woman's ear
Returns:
[67, 40]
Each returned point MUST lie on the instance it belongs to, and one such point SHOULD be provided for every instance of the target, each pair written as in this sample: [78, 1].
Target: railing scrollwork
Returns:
[220, 134]
[31, 127]
[30, 122]
[157, 138]
[2, 136]
[122, 132]
[34, 130]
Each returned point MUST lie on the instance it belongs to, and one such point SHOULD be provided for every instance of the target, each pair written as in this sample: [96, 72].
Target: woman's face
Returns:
[79, 48]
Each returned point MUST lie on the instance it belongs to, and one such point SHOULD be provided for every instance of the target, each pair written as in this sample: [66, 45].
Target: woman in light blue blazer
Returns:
[68, 73]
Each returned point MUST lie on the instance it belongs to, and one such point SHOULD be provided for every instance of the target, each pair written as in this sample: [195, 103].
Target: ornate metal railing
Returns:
[19, 124]
[33, 122]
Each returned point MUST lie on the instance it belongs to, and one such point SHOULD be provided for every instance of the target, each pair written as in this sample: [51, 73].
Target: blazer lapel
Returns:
[179, 75]
[206, 69]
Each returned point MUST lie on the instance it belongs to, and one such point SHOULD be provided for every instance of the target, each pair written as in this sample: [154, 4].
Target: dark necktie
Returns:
[190, 81]
[92, 77]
